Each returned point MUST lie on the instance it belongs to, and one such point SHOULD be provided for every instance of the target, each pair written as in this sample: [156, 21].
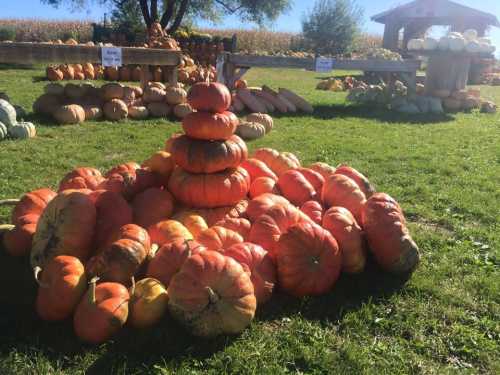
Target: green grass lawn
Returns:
[444, 171]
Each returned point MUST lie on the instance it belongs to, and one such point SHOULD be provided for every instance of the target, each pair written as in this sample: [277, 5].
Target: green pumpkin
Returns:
[3, 131]
[7, 113]
[23, 130]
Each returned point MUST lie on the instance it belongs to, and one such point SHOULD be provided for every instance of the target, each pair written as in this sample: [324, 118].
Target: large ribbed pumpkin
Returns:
[122, 259]
[296, 188]
[198, 156]
[308, 260]
[209, 126]
[152, 206]
[192, 221]
[239, 225]
[344, 228]
[81, 178]
[314, 178]
[278, 162]
[323, 169]
[218, 238]
[224, 188]
[33, 202]
[209, 96]
[257, 168]
[340, 190]
[66, 227]
[363, 183]
[259, 265]
[263, 185]
[168, 231]
[212, 295]
[213, 215]
[314, 210]
[128, 181]
[169, 259]
[261, 204]
[388, 237]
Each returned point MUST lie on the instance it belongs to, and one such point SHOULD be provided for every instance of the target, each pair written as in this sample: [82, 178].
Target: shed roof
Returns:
[439, 9]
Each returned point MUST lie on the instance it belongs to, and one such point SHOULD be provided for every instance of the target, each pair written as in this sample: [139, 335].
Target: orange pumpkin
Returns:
[363, 183]
[323, 169]
[239, 225]
[169, 259]
[168, 231]
[258, 265]
[314, 210]
[344, 228]
[33, 202]
[209, 96]
[268, 227]
[130, 182]
[261, 204]
[66, 227]
[340, 190]
[194, 223]
[296, 188]
[278, 162]
[209, 126]
[218, 238]
[129, 167]
[212, 295]
[214, 215]
[308, 260]
[313, 177]
[257, 168]
[112, 213]
[18, 238]
[162, 163]
[81, 178]
[151, 206]
[122, 259]
[263, 185]
[388, 237]
[224, 188]
[61, 286]
[198, 156]
[102, 311]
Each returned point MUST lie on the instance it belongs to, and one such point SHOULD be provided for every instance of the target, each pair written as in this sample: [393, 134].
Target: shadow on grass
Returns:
[8, 66]
[24, 332]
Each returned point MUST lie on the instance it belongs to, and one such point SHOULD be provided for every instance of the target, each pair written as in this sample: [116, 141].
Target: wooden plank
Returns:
[271, 61]
[377, 65]
[30, 53]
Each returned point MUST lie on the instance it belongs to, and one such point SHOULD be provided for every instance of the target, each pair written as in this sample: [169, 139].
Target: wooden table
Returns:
[37, 53]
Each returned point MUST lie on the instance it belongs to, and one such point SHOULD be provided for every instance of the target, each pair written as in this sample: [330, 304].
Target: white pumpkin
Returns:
[470, 34]
[430, 44]
[457, 44]
[473, 47]
[7, 113]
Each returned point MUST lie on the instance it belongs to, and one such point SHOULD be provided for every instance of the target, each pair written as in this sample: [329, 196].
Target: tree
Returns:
[170, 13]
[332, 25]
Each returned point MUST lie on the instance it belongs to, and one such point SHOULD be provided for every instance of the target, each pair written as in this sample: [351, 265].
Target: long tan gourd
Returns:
[291, 107]
[278, 104]
[299, 102]
[284, 102]
[266, 103]
[251, 101]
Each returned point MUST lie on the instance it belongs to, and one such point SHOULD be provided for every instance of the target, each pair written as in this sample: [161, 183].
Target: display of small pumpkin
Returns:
[148, 302]
[212, 295]
[250, 130]
[162, 163]
[263, 185]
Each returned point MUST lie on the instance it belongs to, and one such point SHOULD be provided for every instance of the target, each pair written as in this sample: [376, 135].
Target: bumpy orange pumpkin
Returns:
[262, 204]
[296, 188]
[122, 259]
[169, 259]
[212, 295]
[257, 168]
[129, 167]
[388, 237]
[340, 190]
[363, 183]
[102, 311]
[198, 156]
[168, 231]
[313, 177]
[218, 238]
[224, 188]
[160, 162]
[323, 169]
[81, 178]
[130, 182]
[211, 97]
[113, 212]
[66, 227]
[308, 260]
[214, 215]
[18, 238]
[209, 126]
[268, 228]
[257, 263]
[194, 223]
[344, 228]
[33, 202]
[152, 206]
[314, 210]
[239, 225]
[61, 286]
[263, 185]
[278, 162]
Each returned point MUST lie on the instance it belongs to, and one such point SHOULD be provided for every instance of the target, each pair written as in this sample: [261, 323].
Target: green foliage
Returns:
[127, 20]
[332, 26]
[7, 33]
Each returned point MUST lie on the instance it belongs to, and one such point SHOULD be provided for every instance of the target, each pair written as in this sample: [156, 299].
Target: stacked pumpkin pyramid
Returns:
[209, 154]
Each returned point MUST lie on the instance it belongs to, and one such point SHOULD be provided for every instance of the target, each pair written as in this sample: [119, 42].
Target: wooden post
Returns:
[145, 75]
[447, 72]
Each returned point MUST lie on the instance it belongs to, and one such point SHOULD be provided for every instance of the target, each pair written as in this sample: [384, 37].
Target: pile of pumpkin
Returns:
[338, 85]
[9, 125]
[464, 100]
[75, 103]
[266, 100]
[202, 231]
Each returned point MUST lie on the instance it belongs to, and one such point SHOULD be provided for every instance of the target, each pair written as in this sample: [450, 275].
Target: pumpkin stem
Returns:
[212, 296]
[132, 288]
[37, 270]
[154, 249]
[6, 227]
[92, 284]
[9, 202]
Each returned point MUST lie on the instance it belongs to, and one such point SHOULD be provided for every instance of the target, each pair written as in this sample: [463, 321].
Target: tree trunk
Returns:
[145, 12]
[154, 10]
[180, 15]
[169, 12]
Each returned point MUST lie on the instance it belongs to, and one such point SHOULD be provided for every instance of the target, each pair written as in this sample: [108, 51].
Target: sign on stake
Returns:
[111, 56]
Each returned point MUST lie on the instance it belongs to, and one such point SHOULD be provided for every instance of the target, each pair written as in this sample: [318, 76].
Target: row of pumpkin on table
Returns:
[210, 266]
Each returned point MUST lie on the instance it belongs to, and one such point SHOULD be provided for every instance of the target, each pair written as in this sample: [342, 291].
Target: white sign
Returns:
[324, 64]
[220, 68]
[111, 56]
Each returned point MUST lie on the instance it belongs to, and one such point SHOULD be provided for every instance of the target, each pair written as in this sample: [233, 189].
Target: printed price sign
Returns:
[111, 56]
[324, 64]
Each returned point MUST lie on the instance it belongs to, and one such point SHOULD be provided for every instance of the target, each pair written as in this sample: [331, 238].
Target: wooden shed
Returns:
[417, 17]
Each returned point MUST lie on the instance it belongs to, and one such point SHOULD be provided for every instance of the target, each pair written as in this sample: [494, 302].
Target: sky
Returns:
[290, 21]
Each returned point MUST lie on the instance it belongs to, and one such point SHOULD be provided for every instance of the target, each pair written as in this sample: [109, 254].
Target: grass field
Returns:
[445, 172]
